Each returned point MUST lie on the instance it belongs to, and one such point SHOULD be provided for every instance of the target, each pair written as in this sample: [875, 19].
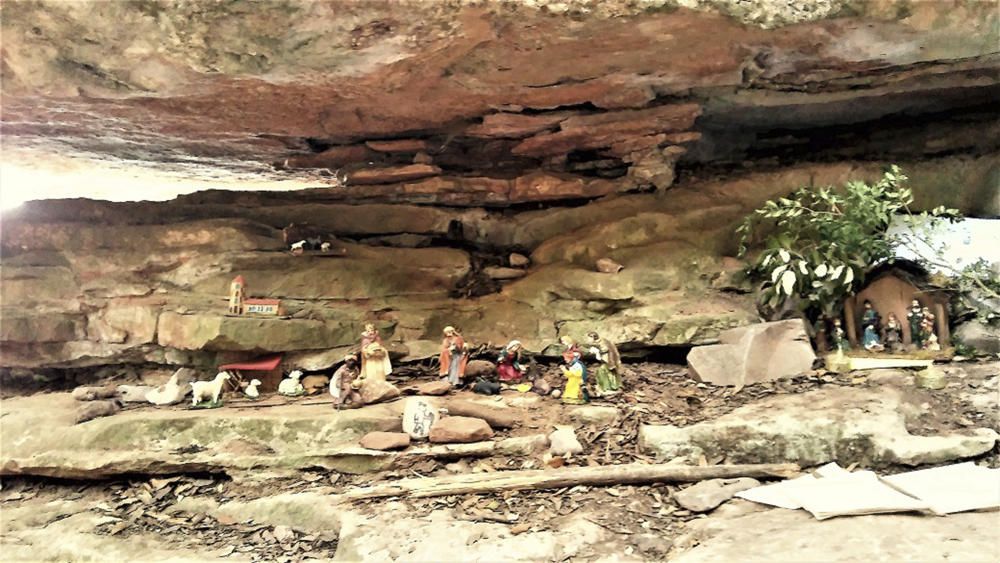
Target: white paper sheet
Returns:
[854, 494]
[952, 488]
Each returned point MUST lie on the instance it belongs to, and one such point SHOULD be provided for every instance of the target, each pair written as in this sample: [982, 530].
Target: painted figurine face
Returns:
[868, 305]
[593, 336]
[449, 331]
[915, 304]
[566, 341]
[369, 328]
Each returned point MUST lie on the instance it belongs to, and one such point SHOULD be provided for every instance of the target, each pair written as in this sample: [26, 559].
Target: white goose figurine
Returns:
[251, 390]
[167, 394]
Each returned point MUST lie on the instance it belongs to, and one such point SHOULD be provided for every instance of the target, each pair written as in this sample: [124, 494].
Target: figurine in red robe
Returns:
[453, 356]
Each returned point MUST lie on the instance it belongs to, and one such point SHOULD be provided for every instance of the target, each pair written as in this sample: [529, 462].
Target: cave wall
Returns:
[438, 139]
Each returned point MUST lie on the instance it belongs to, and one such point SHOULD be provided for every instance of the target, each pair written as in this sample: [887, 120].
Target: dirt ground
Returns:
[640, 522]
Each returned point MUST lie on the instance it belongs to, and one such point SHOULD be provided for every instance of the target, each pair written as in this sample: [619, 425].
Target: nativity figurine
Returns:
[369, 337]
[840, 342]
[453, 357]
[291, 386]
[915, 318]
[341, 384]
[251, 390]
[607, 376]
[927, 331]
[893, 334]
[575, 391]
[509, 366]
[570, 348]
[202, 391]
[870, 322]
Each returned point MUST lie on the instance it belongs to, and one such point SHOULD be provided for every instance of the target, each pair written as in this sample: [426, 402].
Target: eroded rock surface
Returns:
[842, 424]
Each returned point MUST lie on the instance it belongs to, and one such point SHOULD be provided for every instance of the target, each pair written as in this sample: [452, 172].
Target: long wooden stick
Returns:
[631, 474]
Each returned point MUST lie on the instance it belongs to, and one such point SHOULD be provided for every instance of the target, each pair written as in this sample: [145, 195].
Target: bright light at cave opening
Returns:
[78, 178]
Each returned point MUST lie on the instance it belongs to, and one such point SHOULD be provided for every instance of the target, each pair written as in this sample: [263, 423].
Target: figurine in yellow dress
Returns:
[575, 392]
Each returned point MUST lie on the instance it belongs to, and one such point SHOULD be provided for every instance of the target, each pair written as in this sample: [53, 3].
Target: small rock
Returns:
[385, 440]
[97, 409]
[283, 533]
[518, 260]
[94, 393]
[496, 417]
[479, 368]
[609, 266]
[706, 495]
[434, 388]
[653, 546]
[460, 466]
[563, 441]
[501, 273]
[376, 391]
[133, 393]
[418, 417]
[460, 429]
[594, 415]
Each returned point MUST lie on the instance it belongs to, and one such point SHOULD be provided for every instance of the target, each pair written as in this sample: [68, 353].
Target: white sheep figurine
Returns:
[208, 389]
[291, 386]
[325, 247]
[300, 246]
[251, 390]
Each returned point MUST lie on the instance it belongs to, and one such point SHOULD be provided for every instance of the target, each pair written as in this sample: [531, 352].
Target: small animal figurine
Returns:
[291, 387]
[932, 342]
[325, 247]
[203, 390]
[167, 394]
[251, 390]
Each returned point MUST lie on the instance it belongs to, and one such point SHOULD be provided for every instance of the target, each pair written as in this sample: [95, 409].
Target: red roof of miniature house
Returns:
[239, 280]
[253, 301]
[263, 364]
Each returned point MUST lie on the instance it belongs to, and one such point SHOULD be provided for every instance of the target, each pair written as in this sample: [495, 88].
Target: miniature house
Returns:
[891, 287]
[240, 304]
[262, 306]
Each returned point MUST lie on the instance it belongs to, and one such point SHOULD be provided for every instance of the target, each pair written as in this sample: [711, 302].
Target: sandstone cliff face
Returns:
[440, 137]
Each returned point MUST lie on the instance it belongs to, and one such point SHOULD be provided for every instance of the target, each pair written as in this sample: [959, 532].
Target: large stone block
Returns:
[750, 354]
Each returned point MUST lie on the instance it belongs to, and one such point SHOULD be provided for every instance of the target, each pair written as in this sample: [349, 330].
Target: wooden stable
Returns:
[265, 369]
[891, 288]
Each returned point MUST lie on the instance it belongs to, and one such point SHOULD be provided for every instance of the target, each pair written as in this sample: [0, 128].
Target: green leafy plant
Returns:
[818, 243]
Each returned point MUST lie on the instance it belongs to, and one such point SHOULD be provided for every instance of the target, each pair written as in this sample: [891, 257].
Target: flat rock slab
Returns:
[434, 388]
[460, 429]
[40, 438]
[754, 353]
[496, 417]
[793, 535]
[706, 495]
[843, 424]
[385, 440]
